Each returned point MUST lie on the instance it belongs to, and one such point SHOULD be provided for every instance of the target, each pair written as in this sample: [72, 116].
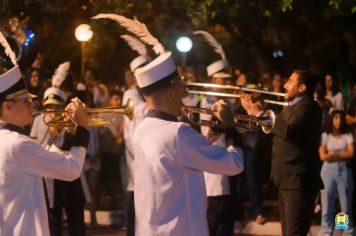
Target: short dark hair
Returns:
[161, 84]
[328, 124]
[307, 78]
[116, 92]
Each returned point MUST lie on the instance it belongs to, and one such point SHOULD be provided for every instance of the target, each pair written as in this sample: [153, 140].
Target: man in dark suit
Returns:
[295, 162]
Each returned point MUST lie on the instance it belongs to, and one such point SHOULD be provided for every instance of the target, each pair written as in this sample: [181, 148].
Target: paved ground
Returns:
[115, 231]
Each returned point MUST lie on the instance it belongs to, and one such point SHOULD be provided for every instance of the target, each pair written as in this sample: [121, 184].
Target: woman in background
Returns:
[336, 150]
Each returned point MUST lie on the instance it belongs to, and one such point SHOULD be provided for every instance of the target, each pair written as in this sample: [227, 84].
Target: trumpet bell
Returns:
[243, 123]
[267, 123]
[96, 116]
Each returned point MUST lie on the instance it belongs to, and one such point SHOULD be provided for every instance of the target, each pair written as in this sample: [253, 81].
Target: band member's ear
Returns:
[302, 88]
[7, 106]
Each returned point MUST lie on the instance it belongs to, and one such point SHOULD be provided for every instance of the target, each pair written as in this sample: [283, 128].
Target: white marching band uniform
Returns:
[23, 163]
[170, 157]
[216, 185]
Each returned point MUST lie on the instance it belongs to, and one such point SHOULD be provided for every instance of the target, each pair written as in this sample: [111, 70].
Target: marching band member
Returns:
[219, 214]
[295, 163]
[140, 112]
[170, 195]
[23, 162]
[170, 156]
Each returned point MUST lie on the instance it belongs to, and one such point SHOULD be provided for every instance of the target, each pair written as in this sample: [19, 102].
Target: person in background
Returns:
[277, 86]
[253, 149]
[112, 149]
[336, 151]
[333, 92]
[324, 103]
[99, 90]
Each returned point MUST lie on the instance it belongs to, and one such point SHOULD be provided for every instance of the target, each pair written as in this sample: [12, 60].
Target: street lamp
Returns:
[184, 45]
[83, 33]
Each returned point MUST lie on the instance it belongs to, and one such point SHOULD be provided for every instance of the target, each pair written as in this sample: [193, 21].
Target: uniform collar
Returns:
[14, 128]
[161, 115]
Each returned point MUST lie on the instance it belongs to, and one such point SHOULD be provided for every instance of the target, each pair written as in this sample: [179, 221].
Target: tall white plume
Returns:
[135, 44]
[8, 50]
[212, 41]
[135, 27]
[60, 74]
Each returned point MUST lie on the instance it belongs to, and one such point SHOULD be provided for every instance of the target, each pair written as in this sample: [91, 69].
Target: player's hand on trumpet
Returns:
[223, 112]
[76, 111]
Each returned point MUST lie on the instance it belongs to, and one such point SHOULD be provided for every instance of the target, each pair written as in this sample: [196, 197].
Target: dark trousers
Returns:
[252, 184]
[220, 216]
[131, 215]
[75, 218]
[237, 195]
[296, 209]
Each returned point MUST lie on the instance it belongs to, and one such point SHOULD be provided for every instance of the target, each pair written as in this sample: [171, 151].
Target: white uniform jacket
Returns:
[170, 195]
[140, 110]
[216, 185]
[22, 164]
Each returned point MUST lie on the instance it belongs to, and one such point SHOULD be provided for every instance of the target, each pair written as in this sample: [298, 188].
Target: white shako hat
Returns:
[140, 48]
[160, 72]
[217, 68]
[139, 62]
[54, 95]
[12, 85]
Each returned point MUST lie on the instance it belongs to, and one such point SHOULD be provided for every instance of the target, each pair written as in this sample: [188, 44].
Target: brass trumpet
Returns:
[243, 123]
[192, 88]
[96, 116]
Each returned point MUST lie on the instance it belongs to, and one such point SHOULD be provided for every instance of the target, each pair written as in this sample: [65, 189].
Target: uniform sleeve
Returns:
[29, 157]
[194, 151]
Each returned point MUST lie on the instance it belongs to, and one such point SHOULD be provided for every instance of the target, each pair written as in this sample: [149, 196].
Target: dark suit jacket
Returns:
[295, 158]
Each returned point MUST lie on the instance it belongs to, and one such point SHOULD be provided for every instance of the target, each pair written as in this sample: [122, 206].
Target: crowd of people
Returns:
[177, 178]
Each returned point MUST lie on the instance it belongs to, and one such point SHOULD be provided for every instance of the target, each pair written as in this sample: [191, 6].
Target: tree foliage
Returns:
[318, 34]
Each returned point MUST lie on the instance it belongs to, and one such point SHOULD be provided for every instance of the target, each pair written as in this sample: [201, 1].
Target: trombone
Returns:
[243, 123]
[227, 88]
[96, 116]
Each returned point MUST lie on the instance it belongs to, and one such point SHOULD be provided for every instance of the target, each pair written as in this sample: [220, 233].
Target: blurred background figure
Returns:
[333, 91]
[336, 151]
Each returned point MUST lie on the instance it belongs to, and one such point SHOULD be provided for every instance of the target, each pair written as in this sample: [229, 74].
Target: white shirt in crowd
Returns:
[336, 143]
[337, 101]
[170, 194]
[23, 162]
